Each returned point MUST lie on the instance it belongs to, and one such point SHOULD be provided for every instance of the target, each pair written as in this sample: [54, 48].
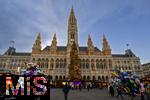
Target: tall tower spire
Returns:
[72, 11]
[36, 49]
[54, 41]
[106, 48]
[72, 28]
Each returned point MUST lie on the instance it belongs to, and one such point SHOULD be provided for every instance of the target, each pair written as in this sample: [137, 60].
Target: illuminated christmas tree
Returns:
[74, 69]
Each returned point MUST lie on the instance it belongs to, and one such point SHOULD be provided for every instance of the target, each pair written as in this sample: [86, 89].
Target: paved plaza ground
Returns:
[94, 94]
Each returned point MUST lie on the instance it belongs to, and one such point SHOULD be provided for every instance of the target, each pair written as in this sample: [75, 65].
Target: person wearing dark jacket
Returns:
[119, 91]
[66, 89]
[111, 90]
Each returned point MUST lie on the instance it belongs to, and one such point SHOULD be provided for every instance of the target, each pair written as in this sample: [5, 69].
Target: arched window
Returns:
[104, 64]
[4, 65]
[64, 77]
[106, 78]
[42, 64]
[84, 77]
[92, 66]
[33, 59]
[88, 78]
[65, 63]
[51, 77]
[99, 78]
[57, 63]
[39, 62]
[129, 68]
[56, 77]
[97, 63]
[87, 63]
[103, 79]
[110, 63]
[46, 65]
[61, 63]
[83, 64]
[52, 63]
[60, 77]
[2, 60]
[94, 78]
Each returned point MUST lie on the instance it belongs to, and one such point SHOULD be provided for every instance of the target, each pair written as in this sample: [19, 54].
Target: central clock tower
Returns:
[72, 29]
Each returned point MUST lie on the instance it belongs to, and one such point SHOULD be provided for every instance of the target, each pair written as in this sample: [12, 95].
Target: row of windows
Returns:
[60, 65]
[83, 77]
[57, 60]
[15, 60]
[98, 65]
[96, 60]
[47, 60]
[123, 68]
[64, 59]
[126, 62]
[146, 69]
[137, 67]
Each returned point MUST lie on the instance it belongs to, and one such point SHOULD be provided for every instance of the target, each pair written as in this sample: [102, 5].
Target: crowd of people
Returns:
[118, 89]
[124, 84]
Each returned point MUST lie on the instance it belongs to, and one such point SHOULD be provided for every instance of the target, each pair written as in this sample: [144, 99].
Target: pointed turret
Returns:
[90, 45]
[36, 49]
[72, 28]
[54, 44]
[72, 11]
[106, 48]
[54, 41]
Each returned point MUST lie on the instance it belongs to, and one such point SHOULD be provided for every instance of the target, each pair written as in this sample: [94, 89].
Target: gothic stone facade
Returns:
[95, 64]
[146, 69]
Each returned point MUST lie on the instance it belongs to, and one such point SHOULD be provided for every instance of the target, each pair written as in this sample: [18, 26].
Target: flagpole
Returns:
[127, 46]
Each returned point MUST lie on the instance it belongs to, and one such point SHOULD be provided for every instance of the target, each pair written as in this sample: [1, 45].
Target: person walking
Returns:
[119, 91]
[111, 90]
[66, 89]
[147, 91]
[88, 87]
[142, 91]
[80, 87]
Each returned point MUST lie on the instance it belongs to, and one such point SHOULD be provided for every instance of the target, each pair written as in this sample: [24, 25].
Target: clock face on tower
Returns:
[72, 40]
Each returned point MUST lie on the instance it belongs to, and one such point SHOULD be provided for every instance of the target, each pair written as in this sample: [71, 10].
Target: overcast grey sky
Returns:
[122, 22]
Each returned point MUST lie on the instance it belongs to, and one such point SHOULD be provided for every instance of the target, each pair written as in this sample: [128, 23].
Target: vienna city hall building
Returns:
[54, 60]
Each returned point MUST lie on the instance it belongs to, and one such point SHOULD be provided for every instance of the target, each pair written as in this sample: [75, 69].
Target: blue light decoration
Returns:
[75, 83]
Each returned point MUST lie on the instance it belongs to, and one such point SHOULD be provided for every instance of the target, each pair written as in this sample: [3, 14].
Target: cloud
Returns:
[21, 20]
